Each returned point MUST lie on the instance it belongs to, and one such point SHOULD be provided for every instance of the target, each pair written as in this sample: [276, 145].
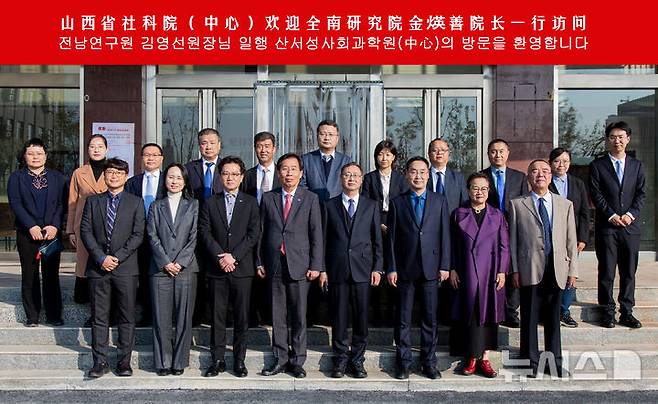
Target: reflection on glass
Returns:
[431, 69]
[235, 125]
[459, 129]
[607, 69]
[180, 125]
[583, 115]
[72, 69]
[404, 126]
[192, 69]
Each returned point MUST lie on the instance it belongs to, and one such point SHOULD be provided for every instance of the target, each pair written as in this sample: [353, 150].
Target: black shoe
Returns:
[401, 373]
[358, 371]
[608, 323]
[88, 323]
[241, 370]
[431, 372]
[30, 323]
[298, 372]
[55, 323]
[511, 323]
[275, 369]
[533, 373]
[561, 372]
[338, 372]
[177, 372]
[99, 370]
[162, 372]
[630, 321]
[124, 370]
[144, 323]
[568, 321]
[216, 368]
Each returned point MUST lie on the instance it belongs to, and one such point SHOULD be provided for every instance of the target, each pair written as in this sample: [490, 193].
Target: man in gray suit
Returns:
[543, 246]
[291, 255]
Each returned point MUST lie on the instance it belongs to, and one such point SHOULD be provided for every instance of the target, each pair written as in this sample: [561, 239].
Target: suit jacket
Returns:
[23, 202]
[454, 186]
[478, 255]
[313, 177]
[372, 186]
[302, 233]
[411, 245]
[82, 185]
[134, 185]
[240, 238]
[577, 194]
[195, 173]
[610, 198]
[516, 184]
[250, 184]
[172, 240]
[527, 241]
[127, 235]
[352, 250]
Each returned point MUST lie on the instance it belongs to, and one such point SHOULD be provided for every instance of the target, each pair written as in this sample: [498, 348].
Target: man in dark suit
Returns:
[574, 189]
[444, 180]
[260, 179]
[617, 187]
[149, 185]
[112, 229]
[229, 227]
[291, 256]
[418, 258]
[543, 248]
[354, 262]
[507, 184]
[205, 182]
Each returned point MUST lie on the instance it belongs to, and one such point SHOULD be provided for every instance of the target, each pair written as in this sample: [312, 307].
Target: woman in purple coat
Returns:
[480, 242]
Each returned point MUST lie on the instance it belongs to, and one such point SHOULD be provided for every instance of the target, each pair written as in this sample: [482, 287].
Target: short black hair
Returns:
[475, 176]
[117, 164]
[187, 191]
[264, 135]
[99, 136]
[537, 161]
[289, 156]
[414, 159]
[557, 152]
[497, 140]
[385, 145]
[351, 164]
[327, 122]
[618, 125]
[208, 131]
[232, 160]
[152, 145]
[436, 140]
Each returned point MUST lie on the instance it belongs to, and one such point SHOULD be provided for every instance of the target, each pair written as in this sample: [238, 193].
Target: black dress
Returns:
[467, 337]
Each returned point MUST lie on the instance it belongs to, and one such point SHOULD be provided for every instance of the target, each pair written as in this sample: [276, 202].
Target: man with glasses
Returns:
[112, 229]
[617, 187]
[149, 185]
[444, 180]
[418, 258]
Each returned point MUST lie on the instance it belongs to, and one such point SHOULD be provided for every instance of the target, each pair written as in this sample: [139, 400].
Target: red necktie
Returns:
[286, 210]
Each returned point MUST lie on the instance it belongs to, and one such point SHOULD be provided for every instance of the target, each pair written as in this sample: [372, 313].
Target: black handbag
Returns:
[49, 247]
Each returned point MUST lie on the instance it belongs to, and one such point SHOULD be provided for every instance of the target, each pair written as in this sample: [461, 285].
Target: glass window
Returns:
[431, 69]
[235, 124]
[607, 69]
[405, 126]
[459, 128]
[180, 126]
[583, 115]
[39, 69]
[192, 69]
[320, 69]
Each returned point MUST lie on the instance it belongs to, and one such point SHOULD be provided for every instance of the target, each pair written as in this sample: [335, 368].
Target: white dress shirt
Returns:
[386, 189]
[174, 201]
[548, 203]
[156, 181]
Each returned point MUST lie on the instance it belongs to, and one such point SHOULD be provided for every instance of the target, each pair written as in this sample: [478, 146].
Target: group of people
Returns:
[197, 238]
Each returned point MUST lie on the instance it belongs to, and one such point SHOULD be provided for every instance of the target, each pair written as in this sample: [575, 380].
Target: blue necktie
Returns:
[149, 197]
[111, 217]
[500, 188]
[546, 223]
[418, 210]
[440, 189]
[207, 181]
[350, 208]
[620, 173]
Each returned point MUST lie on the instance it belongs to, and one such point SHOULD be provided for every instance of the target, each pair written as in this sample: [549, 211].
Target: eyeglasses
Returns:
[414, 173]
[563, 162]
[350, 175]
[327, 134]
[480, 189]
[149, 155]
[227, 174]
[112, 172]
[618, 137]
[440, 150]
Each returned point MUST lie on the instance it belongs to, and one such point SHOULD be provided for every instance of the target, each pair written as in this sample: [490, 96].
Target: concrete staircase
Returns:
[57, 357]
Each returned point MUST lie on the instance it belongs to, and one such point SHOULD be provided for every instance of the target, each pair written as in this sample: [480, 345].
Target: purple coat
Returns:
[477, 258]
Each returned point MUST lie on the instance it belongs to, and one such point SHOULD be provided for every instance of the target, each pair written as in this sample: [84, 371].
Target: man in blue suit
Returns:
[418, 258]
[322, 166]
[617, 187]
[444, 180]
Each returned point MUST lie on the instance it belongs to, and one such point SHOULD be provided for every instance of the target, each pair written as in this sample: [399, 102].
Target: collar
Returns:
[270, 168]
[422, 196]
[283, 191]
[436, 170]
[381, 174]
[494, 170]
[109, 194]
[155, 173]
[332, 154]
[233, 194]
[614, 159]
[547, 197]
[346, 199]
[204, 161]
[563, 179]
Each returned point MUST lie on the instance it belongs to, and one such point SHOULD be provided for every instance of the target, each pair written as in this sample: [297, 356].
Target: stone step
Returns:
[590, 334]
[590, 312]
[642, 293]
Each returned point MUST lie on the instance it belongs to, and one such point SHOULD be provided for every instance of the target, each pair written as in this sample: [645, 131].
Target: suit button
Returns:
[350, 250]
[421, 233]
[229, 234]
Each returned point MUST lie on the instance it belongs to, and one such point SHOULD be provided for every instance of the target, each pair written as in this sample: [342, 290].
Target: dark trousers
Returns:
[144, 286]
[201, 306]
[428, 324]
[30, 283]
[235, 291]
[259, 304]
[101, 292]
[288, 300]
[342, 295]
[172, 297]
[541, 302]
[512, 301]
[617, 249]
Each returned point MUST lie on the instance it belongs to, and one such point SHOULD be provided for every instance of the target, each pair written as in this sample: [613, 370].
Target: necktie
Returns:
[440, 189]
[264, 184]
[546, 223]
[207, 181]
[111, 217]
[618, 170]
[326, 166]
[351, 209]
[418, 210]
[230, 203]
[149, 197]
[500, 188]
[286, 210]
